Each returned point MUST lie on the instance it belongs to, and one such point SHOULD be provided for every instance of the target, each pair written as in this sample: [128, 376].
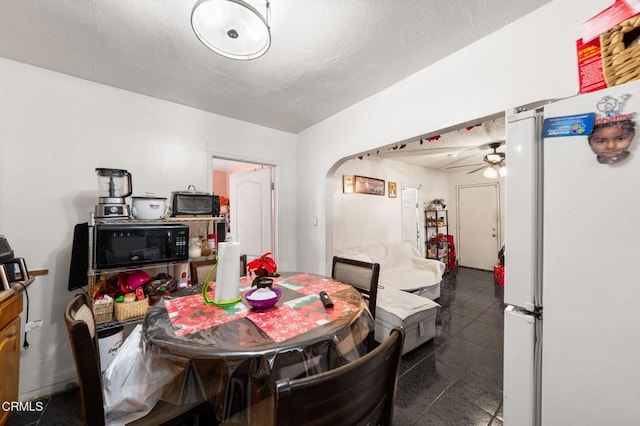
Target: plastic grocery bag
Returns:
[130, 389]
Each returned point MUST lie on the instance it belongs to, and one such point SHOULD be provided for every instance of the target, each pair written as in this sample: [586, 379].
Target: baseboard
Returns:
[46, 391]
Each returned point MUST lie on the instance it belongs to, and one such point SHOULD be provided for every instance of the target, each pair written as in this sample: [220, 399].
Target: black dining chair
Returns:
[362, 392]
[200, 268]
[80, 322]
[363, 276]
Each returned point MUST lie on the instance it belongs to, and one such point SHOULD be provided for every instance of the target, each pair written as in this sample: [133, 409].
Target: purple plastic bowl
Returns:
[262, 304]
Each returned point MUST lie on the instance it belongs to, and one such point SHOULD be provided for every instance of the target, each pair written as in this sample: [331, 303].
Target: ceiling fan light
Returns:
[232, 28]
[490, 172]
[494, 158]
[502, 171]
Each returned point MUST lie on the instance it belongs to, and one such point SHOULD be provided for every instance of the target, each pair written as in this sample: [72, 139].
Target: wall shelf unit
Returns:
[198, 226]
[437, 229]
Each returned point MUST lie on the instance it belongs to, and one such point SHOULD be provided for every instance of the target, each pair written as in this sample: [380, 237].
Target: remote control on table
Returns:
[326, 301]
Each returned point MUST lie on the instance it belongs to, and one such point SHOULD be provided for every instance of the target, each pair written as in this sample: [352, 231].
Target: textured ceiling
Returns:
[325, 55]
[458, 150]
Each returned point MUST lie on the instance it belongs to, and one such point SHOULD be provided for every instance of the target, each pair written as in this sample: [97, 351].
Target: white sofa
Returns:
[401, 267]
[408, 284]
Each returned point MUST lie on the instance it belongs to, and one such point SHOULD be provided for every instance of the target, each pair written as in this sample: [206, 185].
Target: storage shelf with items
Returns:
[437, 231]
[132, 263]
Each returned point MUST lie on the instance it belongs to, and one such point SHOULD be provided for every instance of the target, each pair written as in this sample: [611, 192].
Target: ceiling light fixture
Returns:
[494, 158]
[490, 172]
[232, 28]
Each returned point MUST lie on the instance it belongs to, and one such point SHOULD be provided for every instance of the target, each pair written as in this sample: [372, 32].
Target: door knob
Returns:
[493, 235]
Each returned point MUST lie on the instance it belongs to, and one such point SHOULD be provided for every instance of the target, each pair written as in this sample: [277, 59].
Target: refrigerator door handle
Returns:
[523, 204]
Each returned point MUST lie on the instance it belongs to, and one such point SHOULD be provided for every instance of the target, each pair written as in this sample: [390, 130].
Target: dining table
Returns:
[232, 355]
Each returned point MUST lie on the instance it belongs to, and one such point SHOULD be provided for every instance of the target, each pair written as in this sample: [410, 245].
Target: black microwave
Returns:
[132, 245]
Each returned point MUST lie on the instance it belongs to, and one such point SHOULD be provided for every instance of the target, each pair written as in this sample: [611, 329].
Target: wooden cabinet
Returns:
[10, 309]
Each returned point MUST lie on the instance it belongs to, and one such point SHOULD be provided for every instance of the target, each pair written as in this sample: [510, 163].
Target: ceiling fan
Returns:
[494, 162]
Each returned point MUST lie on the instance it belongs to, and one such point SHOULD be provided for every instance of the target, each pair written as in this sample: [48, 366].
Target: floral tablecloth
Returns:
[233, 355]
[189, 314]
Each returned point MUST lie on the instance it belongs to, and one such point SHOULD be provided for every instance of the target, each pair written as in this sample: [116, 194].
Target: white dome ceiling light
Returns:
[232, 28]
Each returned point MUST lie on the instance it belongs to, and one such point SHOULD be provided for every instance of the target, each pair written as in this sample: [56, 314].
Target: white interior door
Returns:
[410, 217]
[478, 226]
[251, 211]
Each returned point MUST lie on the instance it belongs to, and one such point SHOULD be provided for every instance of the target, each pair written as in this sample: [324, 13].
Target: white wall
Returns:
[359, 219]
[55, 130]
[527, 61]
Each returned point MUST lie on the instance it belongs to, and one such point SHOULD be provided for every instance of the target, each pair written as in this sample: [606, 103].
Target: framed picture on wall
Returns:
[367, 185]
[347, 184]
[391, 190]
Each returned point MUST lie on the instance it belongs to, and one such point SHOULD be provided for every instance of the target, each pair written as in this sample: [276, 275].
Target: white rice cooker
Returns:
[149, 207]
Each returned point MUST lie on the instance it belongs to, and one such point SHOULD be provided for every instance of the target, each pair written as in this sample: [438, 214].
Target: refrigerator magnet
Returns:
[613, 132]
[568, 125]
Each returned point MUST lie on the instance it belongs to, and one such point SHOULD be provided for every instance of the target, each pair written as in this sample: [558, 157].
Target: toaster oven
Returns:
[194, 203]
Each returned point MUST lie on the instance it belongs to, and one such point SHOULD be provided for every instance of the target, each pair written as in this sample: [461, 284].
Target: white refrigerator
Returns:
[572, 262]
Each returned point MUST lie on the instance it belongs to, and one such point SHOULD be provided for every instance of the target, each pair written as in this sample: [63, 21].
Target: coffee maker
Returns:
[12, 269]
[114, 185]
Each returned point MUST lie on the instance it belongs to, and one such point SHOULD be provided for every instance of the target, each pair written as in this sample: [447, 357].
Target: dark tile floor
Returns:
[454, 379]
[61, 409]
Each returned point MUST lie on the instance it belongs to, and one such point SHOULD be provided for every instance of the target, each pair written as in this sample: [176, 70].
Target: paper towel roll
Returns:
[228, 273]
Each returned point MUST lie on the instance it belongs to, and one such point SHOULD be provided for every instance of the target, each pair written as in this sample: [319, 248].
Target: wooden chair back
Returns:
[200, 269]
[362, 392]
[78, 317]
[81, 327]
[363, 276]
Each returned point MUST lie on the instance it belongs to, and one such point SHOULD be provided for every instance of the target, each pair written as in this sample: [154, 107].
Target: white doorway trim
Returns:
[275, 193]
[415, 216]
[461, 245]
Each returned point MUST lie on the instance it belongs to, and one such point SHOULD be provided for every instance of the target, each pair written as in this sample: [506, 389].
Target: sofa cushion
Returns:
[415, 314]
[398, 307]
[407, 279]
[355, 253]
[362, 257]
[396, 255]
[401, 267]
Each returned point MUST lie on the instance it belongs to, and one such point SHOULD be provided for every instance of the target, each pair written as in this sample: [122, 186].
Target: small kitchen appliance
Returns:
[12, 269]
[114, 185]
[194, 203]
[120, 245]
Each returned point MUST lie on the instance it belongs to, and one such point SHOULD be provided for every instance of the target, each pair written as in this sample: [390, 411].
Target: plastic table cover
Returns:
[235, 364]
